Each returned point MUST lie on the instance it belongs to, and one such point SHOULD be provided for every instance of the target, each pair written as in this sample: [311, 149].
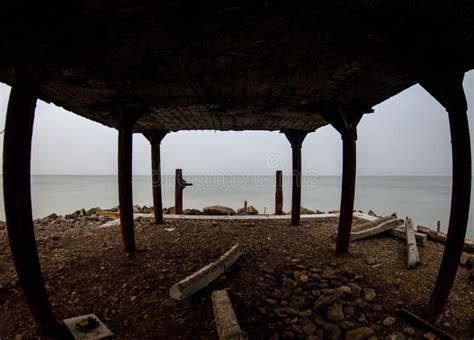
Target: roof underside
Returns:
[232, 65]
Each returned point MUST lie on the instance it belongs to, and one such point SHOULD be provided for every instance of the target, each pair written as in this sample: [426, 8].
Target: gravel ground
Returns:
[288, 284]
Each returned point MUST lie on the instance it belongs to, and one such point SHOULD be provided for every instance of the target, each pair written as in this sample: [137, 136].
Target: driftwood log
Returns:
[399, 232]
[413, 257]
[377, 229]
[440, 237]
[227, 324]
[196, 281]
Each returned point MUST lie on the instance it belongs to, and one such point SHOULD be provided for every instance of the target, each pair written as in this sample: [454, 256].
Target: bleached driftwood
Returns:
[399, 232]
[194, 282]
[373, 223]
[413, 257]
[377, 229]
[227, 324]
[441, 237]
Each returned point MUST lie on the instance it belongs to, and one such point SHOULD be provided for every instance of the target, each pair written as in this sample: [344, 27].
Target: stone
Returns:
[372, 213]
[93, 211]
[335, 313]
[288, 335]
[344, 289]
[389, 321]
[395, 336]
[371, 261]
[355, 290]
[218, 210]
[328, 274]
[360, 303]
[305, 211]
[349, 310]
[250, 211]
[325, 300]
[319, 320]
[52, 216]
[170, 210]
[471, 275]
[359, 333]
[276, 294]
[369, 294]
[409, 331]
[298, 302]
[429, 336]
[309, 328]
[328, 291]
[192, 212]
[289, 283]
[290, 311]
[377, 308]
[333, 331]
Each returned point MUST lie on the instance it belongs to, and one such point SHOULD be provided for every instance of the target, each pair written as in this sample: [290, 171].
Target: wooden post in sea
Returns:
[245, 208]
[345, 123]
[17, 196]
[155, 137]
[278, 193]
[296, 138]
[438, 226]
[180, 184]
[447, 88]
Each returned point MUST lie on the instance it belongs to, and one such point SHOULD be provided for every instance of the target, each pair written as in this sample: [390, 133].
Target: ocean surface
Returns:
[425, 199]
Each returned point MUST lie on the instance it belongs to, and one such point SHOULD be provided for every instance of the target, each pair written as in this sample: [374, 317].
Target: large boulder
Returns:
[305, 211]
[192, 212]
[250, 211]
[93, 211]
[218, 210]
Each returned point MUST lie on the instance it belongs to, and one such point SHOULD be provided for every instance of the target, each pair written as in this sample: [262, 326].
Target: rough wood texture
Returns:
[196, 281]
[399, 232]
[413, 258]
[227, 324]
[378, 229]
[17, 197]
[179, 186]
[155, 137]
[448, 90]
[296, 138]
[374, 223]
[279, 193]
[127, 229]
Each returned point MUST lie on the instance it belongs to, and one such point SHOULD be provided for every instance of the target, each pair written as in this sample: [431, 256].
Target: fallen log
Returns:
[419, 322]
[196, 281]
[413, 257]
[399, 232]
[440, 237]
[227, 325]
[375, 230]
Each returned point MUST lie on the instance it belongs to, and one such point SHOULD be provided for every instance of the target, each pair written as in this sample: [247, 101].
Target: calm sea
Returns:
[425, 199]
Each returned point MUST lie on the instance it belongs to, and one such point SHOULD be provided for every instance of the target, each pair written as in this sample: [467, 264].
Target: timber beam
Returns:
[346, 124]
[296, 138]
[155, 137]
[447, 89]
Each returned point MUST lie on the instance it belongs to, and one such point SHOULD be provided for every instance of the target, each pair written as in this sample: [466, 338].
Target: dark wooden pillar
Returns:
[448, 90]
[279, 193]
[125, 141]
[17, 197]
[155, 138]
[296, 138]
[346, 124]
[180, 184]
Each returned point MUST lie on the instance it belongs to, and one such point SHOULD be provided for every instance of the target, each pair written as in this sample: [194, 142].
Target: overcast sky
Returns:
[406, 135]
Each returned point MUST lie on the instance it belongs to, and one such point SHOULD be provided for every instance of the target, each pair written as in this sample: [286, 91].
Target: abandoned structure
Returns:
[293, 66]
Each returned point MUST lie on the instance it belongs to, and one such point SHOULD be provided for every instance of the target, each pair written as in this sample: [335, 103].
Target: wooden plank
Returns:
[196, 281]
[374, 223]
[226, 321]
[413, 257]
[378, 229]
[399, 232]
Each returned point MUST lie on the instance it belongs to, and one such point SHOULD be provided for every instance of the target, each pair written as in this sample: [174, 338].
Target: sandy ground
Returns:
[86, 272]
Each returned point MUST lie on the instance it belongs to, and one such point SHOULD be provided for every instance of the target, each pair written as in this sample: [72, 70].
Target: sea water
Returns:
[425, 199]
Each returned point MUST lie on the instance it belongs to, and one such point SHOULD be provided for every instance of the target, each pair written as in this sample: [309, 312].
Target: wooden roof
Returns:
[232, 65]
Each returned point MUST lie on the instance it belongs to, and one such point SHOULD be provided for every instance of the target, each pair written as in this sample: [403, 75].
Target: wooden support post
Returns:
[438, 226]
[346, 124]
[448, 90]
[17, 197]
[296, 138]
[279, 193]
[155, 137]
[245, 208]
[125, 141]
[180, 184]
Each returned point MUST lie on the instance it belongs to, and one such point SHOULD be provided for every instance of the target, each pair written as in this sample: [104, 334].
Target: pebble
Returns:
[334, 331]
[429, 336]
[395, 336]
[335, 313]
[359, 333]
[409, 330]
[369, 294]
[390, 321]
[309, 328]
[319, 320]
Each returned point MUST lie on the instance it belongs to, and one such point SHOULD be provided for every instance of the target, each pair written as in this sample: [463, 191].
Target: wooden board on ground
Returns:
[228, 327]
[399, 232]
[99, 332]
[440, 237]
[413, 257]
[377, 229]
[196, 281]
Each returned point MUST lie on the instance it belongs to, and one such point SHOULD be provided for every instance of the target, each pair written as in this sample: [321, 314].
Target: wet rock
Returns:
[335, 313]
[369, 294]
[218, 210]
[359, 333]
[395, 336]
[389, 321]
